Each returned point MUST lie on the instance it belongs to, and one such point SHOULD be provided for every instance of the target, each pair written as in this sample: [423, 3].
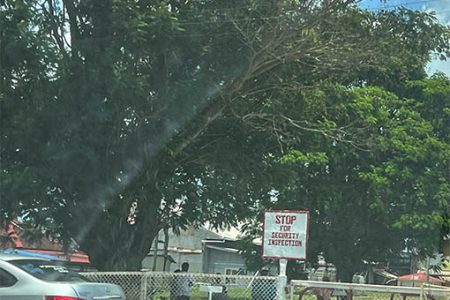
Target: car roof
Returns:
[10, 257]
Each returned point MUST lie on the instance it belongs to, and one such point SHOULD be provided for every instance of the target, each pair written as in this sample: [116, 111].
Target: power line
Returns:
[266, 18]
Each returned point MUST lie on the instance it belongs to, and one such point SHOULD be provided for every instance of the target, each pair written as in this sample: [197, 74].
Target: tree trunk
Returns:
[121, 247]
[155, 253]
[112, 243]
[166, 246]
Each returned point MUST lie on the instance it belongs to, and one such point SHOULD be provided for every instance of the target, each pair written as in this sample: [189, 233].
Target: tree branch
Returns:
[54, 24]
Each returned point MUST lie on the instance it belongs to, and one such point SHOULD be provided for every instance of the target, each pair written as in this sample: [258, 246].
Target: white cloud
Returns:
[439, 66]
[441, 8]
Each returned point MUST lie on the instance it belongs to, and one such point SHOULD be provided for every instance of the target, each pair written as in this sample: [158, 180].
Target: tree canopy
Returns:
[196, 111]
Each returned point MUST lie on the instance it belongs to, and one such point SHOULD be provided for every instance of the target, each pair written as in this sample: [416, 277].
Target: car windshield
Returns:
[227, 134]
[47, 270]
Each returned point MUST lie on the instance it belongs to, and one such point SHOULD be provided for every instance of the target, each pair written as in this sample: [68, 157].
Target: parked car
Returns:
[30, 278]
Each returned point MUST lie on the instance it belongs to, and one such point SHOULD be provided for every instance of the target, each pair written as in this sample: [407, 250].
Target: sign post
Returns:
[285, 236]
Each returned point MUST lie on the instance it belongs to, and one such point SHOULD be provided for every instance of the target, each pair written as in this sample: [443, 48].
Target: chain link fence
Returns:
[308, 290]
[197, 286]
[179, 286]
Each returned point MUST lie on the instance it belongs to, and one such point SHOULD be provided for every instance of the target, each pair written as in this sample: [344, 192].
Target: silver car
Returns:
[28, 278]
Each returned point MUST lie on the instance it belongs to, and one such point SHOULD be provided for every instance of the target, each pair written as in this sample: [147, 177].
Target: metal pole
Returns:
[144, 278]
[291, 292]
[282, 280]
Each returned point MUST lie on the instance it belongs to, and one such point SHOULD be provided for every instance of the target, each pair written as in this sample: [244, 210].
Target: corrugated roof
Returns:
[224, 249]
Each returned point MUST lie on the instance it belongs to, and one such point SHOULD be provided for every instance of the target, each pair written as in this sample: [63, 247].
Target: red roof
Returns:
[420, 276]
[76, 257]
[45, 245]
[13, 235]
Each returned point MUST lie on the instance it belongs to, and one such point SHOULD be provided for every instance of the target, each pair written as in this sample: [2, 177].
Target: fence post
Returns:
[144, 280]
[291, 292]
[282, 280]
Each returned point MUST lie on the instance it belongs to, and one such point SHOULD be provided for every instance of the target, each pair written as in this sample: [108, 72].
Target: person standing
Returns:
[175, 286]
[186, 283]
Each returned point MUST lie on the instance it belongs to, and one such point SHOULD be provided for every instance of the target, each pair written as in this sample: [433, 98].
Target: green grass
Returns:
[234, 293]
[246, 294]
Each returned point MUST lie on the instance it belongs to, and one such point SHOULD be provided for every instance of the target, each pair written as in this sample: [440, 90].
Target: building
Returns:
[205, 250]
[21, 240]
[222, 256]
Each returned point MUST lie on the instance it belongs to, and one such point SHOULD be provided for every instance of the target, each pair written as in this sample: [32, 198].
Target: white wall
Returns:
[194, 260]
[217, 261]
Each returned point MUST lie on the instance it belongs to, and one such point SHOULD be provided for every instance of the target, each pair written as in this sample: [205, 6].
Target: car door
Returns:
[18, 285]
[10, 287]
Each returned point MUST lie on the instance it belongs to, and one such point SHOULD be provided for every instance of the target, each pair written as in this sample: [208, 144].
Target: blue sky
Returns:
[441, 9]
[413, 4]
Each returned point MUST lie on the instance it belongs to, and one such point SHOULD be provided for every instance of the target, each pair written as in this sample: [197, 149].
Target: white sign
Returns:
[285, 234]
[211, 288]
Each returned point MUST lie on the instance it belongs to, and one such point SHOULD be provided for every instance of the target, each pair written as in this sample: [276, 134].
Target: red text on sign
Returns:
[283, 219]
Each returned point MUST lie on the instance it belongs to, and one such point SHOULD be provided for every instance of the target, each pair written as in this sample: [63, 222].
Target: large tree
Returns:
[372, 199]
[376, 182]
[179, 107]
